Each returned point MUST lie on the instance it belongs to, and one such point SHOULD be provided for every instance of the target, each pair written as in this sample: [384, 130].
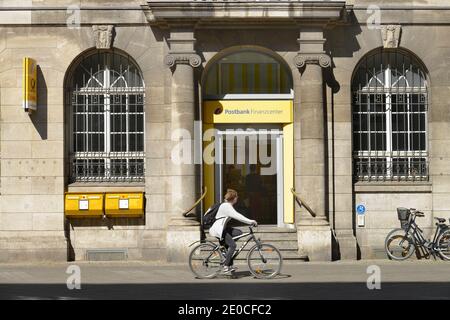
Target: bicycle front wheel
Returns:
[264, 261]
[398, 245]
[205, 261]
[443, 244]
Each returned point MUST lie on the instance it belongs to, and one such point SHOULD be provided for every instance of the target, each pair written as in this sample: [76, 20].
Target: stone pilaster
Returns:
[314, 234]
[182, 59]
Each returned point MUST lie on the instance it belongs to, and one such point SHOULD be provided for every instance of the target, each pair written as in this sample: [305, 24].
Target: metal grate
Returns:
[106, 254]
[390, 104]
[107, 119]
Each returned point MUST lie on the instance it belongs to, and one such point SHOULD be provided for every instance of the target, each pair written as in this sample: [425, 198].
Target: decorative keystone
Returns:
[103, 35]
[391, 36]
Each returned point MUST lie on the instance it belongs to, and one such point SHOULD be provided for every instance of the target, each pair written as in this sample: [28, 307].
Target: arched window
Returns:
[390, 104]
[247, 73]
[106, 106]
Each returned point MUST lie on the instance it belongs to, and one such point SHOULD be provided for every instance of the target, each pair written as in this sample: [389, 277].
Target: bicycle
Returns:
[206, 259]
[401, 243]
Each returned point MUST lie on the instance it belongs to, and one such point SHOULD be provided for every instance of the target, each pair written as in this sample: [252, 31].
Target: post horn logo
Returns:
[218, 110]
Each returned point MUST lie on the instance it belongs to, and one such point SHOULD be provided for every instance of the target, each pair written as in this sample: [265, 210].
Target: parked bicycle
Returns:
[401, 243]
[264, 260]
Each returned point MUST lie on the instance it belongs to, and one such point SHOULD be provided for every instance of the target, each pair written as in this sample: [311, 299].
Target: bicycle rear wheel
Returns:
[205, 261]
[443, 244]
[264, 261]
[398, 245]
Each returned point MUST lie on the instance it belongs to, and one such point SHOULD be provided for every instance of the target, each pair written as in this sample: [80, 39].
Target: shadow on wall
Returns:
[341, 42]
[335, 248]
[39, 118]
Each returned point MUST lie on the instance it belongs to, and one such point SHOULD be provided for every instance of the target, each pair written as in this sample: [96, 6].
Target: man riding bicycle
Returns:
[220, 230]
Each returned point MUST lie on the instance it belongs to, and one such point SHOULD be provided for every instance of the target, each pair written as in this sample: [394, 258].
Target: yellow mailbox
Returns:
[124, 204]
[83, 205]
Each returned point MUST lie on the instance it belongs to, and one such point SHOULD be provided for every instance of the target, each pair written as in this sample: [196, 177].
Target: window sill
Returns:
[393, 187]
[106, 187]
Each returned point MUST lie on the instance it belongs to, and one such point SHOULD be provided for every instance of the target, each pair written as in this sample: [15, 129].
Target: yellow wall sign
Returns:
[29, 84]
[248, 111]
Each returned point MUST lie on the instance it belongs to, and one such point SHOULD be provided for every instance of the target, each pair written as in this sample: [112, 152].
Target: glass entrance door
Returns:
[249, 160]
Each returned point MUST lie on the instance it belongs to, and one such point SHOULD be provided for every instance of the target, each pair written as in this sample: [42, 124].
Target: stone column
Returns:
[182, 59]
[314, 234]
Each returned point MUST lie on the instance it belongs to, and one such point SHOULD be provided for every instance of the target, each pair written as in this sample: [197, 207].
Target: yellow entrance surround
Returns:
[248, 112]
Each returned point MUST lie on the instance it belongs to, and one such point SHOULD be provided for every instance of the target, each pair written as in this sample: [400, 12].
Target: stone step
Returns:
[284, 239]
[269, 229]
[276, 236]
[286, 254]
[279, 244]
[271, 233]
[267, 237]
[281, 247]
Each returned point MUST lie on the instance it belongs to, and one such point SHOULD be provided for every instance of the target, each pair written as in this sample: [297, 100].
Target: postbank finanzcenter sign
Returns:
[248, 111]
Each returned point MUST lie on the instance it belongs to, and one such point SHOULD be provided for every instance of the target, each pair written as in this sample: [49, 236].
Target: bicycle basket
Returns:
[403, 216]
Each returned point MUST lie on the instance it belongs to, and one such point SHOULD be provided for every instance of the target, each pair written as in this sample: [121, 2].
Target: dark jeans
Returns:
[228, 234]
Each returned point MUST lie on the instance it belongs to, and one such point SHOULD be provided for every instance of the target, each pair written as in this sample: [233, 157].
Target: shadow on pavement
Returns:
[248, 274]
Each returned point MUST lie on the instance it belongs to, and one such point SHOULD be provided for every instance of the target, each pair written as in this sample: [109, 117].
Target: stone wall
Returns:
[32, 224]
[33, 183]
[428, 44]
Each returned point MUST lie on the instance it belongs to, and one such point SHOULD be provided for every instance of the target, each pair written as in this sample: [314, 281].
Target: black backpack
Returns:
[210, 216]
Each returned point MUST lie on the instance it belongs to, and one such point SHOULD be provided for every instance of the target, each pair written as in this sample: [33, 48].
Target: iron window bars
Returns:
[107, 119]
[390, 104]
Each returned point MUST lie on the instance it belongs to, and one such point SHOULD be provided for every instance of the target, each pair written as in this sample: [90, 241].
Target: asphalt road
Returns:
[135, 280]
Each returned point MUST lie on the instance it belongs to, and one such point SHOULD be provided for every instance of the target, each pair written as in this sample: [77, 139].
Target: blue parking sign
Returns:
[361, 209]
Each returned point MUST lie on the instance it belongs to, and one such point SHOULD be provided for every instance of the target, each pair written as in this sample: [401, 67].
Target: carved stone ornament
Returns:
[184, 58]
[391, 35]
[322, 59]
[103, 35]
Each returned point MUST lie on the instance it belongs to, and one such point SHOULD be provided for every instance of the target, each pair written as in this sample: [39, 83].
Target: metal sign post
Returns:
[361, 214]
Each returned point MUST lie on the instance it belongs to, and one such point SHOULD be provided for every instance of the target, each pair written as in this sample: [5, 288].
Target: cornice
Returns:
[218, 12]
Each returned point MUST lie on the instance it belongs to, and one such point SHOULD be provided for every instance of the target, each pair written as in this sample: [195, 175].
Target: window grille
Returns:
[107, 119]
[390, 104]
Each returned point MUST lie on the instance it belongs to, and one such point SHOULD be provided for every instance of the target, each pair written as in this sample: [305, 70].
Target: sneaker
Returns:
[228, 270]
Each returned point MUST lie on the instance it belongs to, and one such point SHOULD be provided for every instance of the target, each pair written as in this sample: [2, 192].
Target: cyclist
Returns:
[220, 230]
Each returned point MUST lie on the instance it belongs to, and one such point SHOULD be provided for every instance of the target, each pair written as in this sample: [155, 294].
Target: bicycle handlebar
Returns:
[417, 213]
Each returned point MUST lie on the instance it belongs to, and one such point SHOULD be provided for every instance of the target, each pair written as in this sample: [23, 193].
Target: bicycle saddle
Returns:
[440, 220]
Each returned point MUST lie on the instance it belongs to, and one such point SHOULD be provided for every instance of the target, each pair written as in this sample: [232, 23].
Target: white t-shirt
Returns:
[227, 212]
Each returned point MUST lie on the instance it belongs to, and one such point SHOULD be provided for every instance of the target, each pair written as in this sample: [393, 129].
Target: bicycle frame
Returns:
[250, 236]
[418, 238]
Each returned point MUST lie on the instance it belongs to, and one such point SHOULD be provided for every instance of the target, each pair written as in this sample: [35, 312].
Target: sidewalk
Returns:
[310, 280]
[151, 272]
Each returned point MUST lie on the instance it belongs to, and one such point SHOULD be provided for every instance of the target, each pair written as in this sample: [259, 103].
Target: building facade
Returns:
[342, 102]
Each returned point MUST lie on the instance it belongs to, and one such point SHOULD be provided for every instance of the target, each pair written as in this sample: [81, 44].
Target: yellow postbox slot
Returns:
[83, 205]
[124, 204]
